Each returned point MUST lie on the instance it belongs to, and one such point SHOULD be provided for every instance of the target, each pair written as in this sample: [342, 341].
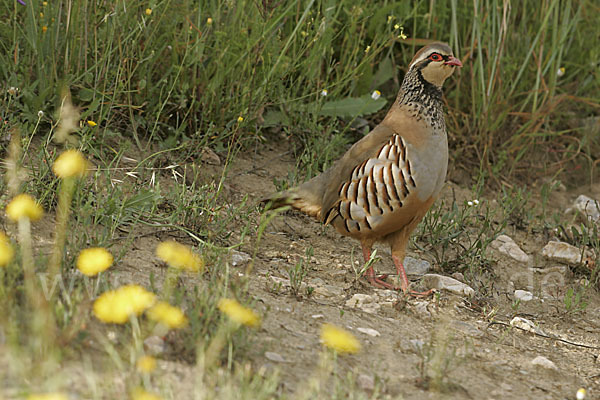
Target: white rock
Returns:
[526, 325]
[413, 266]
[274, 356]
[366, 382]
[523, 295]
[317, 316]
[542, 361]
[587, 206]
[238, 258]
[436, 281]
[364, 302]
[562, 252]
[154, 345]
[369, 331]
[505, 245]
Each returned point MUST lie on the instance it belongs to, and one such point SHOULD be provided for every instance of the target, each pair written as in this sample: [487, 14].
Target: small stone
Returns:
[421, 308]
[413, 266]
[523, 295]
[317, 316]
[328, 291]
[417, 344]
[563, 252]
[276, 357]
[238, 258]
[154, 345]
[459, 276]
[587, 206]
[542, 361]
[436, 281]
[366, 382]
[369, 331]
[505, 245]
[210, 157]
[364, 302]
[526, 325]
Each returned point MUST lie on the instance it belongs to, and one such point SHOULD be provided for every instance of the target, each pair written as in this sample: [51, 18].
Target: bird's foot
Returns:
[379, 282]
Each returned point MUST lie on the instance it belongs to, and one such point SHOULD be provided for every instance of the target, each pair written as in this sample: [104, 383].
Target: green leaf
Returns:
[352, 106]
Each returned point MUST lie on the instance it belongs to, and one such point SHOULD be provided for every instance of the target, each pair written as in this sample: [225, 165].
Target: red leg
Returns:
[371, 277]
[404, 284]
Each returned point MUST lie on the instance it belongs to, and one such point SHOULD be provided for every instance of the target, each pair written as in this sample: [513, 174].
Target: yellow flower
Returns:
[69, 164]
[402, 35]
[209, 21]
[168, 315]
[148, 11]
[561, 72]
[24, 206]
[44, 3]
[179, 256]
[367, 49]
[48, 396]
[6, 250]
[141, 394]
[146, 364]
[116, 306]
[238, 313]
[338, 339]
[94, 260]
[44, 29]
[240, 119]
[91, 123]
[376, 94]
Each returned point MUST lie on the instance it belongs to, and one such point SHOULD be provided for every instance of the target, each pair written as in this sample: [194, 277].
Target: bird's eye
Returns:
[435, 57]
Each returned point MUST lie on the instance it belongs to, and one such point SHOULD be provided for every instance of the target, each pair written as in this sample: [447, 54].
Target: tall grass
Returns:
[189, 70]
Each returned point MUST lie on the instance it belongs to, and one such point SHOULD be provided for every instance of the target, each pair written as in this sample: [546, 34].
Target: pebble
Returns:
[317, 316]
[562, 252]
[328, 291]
[523, 295]
[542, 361]
[526, 325]
[369, 331]
[587, 206]
[154, 345]
[505, 245]
[364, 302]
[366, 382]
[414, 266]
[276, 357]
[238, 258]
[436, 281]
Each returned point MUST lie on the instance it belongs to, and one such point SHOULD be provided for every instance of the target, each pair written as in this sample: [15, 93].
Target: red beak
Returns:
[453, 61]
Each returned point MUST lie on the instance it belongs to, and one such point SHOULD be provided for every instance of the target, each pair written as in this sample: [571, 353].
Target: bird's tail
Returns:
[299, 198]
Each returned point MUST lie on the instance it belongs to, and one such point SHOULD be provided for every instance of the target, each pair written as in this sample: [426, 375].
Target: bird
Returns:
[383, 186]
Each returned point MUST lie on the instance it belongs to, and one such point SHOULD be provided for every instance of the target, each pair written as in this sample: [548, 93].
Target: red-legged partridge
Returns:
[385, 183]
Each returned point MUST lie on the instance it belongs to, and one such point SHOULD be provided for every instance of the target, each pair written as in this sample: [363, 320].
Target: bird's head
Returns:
[435, 62]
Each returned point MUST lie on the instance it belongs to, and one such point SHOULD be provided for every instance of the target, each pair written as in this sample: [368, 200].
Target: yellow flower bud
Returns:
[148, 11]
[69, 164]
[170, 316]
[116, 306]
[179, 256]
[146, 364]
[338, 339]
[24, 206]
[94, 260]
[238, 313]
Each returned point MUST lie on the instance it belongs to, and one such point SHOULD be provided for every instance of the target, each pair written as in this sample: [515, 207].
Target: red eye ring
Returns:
[435, 57]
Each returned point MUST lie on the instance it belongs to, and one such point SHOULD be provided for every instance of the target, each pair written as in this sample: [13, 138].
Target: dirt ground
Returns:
[471, 357]
[407, 344]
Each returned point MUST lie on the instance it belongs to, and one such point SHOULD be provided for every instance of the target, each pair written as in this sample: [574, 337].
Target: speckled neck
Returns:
[423, 100]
